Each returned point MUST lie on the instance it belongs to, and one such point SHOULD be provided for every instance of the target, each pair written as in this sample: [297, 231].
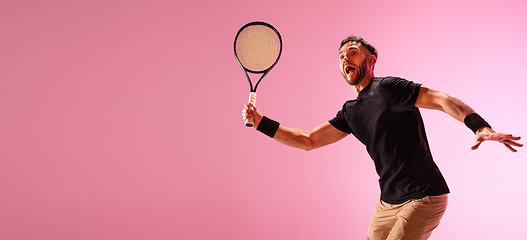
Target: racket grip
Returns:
[252, 99]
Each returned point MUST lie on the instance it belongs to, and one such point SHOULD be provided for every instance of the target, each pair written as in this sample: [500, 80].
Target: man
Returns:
[385, 117]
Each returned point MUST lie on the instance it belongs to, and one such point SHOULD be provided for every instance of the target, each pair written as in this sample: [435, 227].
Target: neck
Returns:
[364, 83]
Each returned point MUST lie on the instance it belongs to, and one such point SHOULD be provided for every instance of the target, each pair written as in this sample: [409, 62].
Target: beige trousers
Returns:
[412, 220]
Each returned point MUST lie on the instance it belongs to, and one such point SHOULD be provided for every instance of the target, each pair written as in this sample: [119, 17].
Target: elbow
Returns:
[307, 149]
[444, 102]
[309, 145]
[301, 140]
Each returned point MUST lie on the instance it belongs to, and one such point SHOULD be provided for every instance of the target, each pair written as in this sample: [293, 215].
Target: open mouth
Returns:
[349, 69]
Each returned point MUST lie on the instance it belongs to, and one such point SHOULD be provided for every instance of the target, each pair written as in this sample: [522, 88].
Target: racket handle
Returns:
[252, 99]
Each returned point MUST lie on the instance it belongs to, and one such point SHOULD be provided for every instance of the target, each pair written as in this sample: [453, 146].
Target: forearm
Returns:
[294, 137]
[462, 112]
[455, 108]
[322, 135]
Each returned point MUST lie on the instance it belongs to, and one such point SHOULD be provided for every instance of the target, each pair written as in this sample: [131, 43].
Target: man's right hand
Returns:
[251, 112]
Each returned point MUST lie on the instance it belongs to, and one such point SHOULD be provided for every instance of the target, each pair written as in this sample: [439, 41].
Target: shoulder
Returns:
[392, 81]
[396, 83]
[349, 103]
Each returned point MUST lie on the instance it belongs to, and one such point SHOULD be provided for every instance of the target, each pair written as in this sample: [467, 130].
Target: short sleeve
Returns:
[340, 122]
[402, 94]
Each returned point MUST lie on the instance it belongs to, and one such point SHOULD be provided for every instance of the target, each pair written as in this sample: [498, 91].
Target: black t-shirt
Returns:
[384, 118]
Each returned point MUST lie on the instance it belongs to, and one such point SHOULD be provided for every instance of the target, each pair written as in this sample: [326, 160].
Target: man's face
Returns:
[354, 62]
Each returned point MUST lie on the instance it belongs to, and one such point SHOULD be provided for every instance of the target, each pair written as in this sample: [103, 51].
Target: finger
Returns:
[247, 107]
[513, 143]
[247, 114]
[503, 136]
[246, 110]
[510, 148]
[476, 145]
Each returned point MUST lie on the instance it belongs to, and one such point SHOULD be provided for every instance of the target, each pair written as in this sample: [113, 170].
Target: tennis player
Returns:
[385, 117]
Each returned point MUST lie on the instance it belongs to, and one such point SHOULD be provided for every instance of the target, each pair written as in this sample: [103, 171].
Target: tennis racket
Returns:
[257, 48]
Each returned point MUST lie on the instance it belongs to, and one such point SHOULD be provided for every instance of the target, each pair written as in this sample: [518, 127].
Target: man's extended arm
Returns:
[322, 135]
[432, 99]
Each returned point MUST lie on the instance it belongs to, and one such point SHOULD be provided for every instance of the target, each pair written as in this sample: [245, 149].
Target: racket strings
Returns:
[258, 47]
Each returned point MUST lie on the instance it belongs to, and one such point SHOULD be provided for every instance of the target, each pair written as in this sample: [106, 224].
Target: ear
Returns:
[372, 59]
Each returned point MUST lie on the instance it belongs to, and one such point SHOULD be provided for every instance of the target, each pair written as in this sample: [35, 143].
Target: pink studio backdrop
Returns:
[122, 119]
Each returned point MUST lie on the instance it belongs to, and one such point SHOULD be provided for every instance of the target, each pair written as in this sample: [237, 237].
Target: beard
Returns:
[362, 69]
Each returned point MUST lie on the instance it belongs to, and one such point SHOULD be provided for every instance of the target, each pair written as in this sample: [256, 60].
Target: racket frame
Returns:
[265, 71]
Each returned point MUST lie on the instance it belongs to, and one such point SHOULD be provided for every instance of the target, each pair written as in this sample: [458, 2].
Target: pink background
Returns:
[122, 119]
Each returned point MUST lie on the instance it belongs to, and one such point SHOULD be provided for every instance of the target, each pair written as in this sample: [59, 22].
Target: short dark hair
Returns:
[362, 42]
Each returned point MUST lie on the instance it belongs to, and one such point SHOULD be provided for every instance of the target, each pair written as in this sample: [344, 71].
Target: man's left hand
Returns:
[487, 134]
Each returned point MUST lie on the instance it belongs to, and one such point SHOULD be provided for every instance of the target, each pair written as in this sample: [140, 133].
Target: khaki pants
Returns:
[412, 220]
